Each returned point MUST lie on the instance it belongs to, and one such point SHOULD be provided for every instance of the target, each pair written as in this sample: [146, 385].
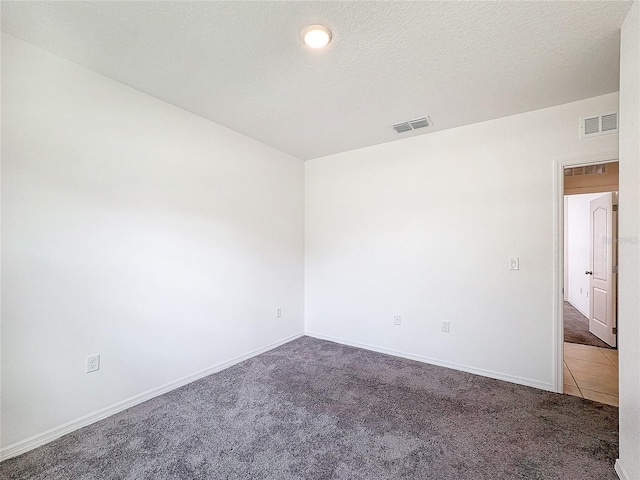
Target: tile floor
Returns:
[591, 372]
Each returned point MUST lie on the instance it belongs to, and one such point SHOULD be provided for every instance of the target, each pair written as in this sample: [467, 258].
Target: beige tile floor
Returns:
[591, 372]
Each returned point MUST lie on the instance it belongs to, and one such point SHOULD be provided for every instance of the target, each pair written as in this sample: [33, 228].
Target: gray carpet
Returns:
[576, 328]
[318, 410]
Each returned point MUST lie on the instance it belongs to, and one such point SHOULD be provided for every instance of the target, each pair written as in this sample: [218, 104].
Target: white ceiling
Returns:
[242, 64]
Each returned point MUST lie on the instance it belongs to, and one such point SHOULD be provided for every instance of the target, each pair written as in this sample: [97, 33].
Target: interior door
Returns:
[602, 295]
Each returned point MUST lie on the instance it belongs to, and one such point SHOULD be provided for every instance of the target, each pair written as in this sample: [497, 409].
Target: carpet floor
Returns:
[313, 409]
[576, 328]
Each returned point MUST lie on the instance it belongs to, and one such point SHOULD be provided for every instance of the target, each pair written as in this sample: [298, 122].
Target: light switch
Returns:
[514, 264]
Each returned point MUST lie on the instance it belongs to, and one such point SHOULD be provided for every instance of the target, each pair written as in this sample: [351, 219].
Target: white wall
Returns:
[578, 221]
[629, 246]
[424, 228]
[136, 230]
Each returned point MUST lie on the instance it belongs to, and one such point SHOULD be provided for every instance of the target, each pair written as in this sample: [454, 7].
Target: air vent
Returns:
[610, 122]
[402, 127]
[591, 125]
[412, 124]
[598, 125]
[586, 170]
[419, 123]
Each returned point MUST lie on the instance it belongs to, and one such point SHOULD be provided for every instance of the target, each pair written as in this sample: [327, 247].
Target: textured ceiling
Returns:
[242, 64]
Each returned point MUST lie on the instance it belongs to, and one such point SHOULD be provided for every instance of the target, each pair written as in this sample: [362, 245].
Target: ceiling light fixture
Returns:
[316, 36]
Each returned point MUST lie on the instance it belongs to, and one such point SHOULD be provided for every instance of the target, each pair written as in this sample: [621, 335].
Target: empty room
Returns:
[319, 240]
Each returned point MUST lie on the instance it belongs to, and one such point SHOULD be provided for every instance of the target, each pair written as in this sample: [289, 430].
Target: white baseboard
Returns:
[579, 309]
[40, 439]
[622, 474]
[433, 361]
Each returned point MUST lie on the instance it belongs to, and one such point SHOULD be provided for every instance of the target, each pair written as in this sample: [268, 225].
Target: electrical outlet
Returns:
[93, 363]
[397, 320]
[278, 312]
[445, 326]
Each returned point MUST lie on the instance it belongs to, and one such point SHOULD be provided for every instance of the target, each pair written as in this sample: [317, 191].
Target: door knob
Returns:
[588, 272]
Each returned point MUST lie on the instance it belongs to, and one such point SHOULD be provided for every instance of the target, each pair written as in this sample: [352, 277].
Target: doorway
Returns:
[589, 307]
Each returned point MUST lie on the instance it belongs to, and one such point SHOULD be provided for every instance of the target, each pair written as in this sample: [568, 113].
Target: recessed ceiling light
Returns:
[316, 36]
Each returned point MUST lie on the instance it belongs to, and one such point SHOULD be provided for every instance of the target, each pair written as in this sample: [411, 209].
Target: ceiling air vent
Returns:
[412, 124]
[419, 123]
[586, 170]
[599, 125]
[402, 127]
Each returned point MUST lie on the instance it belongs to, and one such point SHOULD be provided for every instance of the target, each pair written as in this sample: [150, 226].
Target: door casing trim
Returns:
[558, 252]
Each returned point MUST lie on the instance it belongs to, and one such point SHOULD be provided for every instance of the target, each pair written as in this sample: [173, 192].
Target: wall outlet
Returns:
[93, 363]
[278, 312]
[514, 263]
[397, 320]
[445, 326]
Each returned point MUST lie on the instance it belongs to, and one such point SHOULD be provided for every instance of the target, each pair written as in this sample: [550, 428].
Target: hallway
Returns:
[591, 372]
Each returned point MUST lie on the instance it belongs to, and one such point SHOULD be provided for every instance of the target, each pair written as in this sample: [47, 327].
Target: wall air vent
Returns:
[609, 122]
[598, 125]
[412, 124]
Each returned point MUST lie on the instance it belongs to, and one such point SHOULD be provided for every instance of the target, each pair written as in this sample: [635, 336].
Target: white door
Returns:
[602, 294]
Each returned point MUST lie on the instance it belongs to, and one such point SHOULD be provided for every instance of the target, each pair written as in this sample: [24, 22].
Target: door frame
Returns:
[558, 253]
